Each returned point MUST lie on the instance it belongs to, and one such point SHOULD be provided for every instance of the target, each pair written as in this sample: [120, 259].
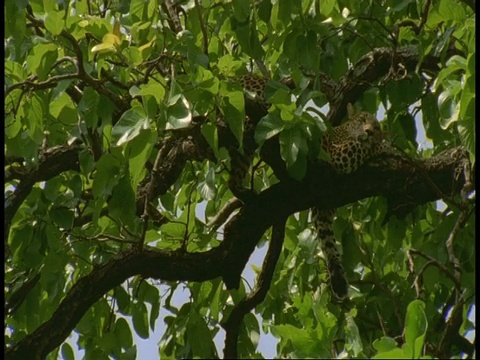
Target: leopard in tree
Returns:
[349, 146]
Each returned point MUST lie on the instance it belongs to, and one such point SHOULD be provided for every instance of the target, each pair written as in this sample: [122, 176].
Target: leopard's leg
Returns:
[240, 164]
[240, 161]
[323, 220]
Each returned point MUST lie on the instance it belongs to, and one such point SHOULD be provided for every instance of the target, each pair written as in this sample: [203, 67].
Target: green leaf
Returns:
[241, 10]
[179, 115]
[140, 320]
[233, 109]
[393, 354]
[451, 10]
[88, 107]
[404, 128]
[34, 119]
[152, 88]
[449, 109]
[199, 336]
[139, 150]
[307, 46]
[41, 60]
[135, 56]
[64, 110]
[15, 22]
[54, 22]
[416, 324]
[352, 334]
[207, 188]
[248, 336]
[205, 80]
[106, 176]
[327, 7]
[123, 299]
[210, 133]
[122, 204]
[62, 216]
[301, 339]
[385, 344]
[123, 333]
[67, 352]
[130, 125]
[293, 149]
[269, 126]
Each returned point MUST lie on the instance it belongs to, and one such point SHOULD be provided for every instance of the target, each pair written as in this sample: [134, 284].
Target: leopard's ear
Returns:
[350, 111]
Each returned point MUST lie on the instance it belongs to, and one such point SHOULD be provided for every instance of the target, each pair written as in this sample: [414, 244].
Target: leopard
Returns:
[348, 146]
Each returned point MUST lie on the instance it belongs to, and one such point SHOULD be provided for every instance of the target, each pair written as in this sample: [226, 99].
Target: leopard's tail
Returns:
[323, 220]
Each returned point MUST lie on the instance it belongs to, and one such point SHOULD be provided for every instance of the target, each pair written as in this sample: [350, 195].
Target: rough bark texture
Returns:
[421, 181]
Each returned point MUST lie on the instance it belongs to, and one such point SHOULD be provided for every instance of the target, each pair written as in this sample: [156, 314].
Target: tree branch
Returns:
[242, 233]
[54, 161]
[369, 70]
[234, 321]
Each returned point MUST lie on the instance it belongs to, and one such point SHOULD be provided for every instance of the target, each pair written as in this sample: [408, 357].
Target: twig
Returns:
[459, 224]
[419, 278]
[202, 26]
[81, 73]
[149, 194]
[172, 17]
[19, 296]
[376, 282]
[410, 23]
[440, 266]
[219, 219]
[51, 82]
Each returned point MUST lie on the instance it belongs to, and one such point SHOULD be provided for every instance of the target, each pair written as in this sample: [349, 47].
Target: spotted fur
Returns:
[348, 145]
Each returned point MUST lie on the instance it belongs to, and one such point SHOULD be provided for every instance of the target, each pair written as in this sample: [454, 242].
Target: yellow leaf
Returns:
[147, 45]
[116, 29]
[111, 39]
[104, 48]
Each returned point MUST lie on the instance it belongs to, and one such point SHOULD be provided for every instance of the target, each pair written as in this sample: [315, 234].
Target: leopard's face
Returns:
[353, 142]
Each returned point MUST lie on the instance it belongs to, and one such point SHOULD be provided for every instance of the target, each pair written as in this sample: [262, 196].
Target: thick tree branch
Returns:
[234, 321]
[243, 232]
[53, 162]
[378, 65]
[396, 178]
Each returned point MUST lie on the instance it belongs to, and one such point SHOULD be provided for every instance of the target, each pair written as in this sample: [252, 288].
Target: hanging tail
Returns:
[323, 220]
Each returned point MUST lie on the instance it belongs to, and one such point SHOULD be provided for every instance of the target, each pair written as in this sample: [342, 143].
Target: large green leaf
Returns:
[140, 320]
[416, 324]
[234, 112]
[178, 113]
[121, 204]
[132, 122]
[139, 150]
[294, 149]
[199, 336]
[106, 176]
[268, 127]
[54, 21]
[41, 60]
[353, 338]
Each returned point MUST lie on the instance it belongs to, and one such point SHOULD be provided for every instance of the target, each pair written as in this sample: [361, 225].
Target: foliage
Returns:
[106, 89]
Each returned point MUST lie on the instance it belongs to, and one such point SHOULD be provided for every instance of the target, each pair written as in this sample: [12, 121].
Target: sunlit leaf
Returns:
[416, 324]
[130, 124]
